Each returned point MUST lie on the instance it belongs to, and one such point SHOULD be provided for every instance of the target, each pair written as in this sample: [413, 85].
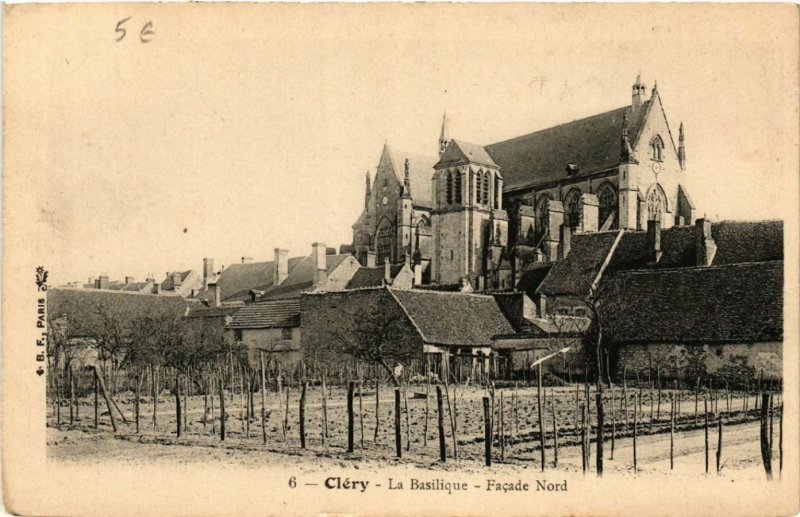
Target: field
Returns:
[516, 441]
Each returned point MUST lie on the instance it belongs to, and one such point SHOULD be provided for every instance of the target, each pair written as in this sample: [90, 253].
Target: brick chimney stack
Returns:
[371, 258]
[319, 263]
[129, 280]
[102, 282]
[705, 247]
[654, 241]
[387, 272]
[208, 271]
[215, 290]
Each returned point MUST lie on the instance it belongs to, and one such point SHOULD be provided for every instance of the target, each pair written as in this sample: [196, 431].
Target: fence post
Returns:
[780, 443]
[541, 417]
[487, 432]
[324, 409]
[600, 422]
[96, 412]
[672, 435]
[440, 417]
[555, 435]
[177, 405]
[705, 428]
[221, 407]
[502, 429]
[263, 398]
[635, 430]
[719, 444]
[398, 442]
[583, 439]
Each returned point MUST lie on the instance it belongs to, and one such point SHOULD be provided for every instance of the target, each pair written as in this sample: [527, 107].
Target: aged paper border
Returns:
[33, 486]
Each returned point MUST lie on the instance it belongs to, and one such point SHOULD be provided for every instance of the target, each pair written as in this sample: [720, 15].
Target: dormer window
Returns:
[657, 149]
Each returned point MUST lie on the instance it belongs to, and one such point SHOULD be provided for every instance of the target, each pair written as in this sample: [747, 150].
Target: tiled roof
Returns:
[752, 241]
[204, 311]
[83, 307]
[168, 285]
[677, 249]
[267, 314]
[453, 318]
[459, 151]
[301, 277]
[735, 302]
[420, 172]
[592, 143]
[237, 280]
[532, 277]
[576, 273]
[371, 276]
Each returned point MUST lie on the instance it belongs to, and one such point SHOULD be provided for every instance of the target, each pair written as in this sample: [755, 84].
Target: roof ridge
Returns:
[698, 268]
[408, 315]
[451, 293]
[559, 125]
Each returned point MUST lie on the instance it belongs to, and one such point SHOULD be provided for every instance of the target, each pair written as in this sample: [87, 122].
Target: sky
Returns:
[241, 128]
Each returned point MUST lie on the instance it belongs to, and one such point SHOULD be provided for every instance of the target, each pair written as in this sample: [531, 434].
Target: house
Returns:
[270, 328]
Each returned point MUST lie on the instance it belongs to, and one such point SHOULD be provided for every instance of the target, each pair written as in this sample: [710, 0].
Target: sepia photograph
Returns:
[400, 259]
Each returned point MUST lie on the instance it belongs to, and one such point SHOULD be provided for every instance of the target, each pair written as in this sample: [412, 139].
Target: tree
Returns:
[376, 334]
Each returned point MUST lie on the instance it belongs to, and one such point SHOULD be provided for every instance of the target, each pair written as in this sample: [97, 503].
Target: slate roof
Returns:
[751, 241]
[267, 314]
[371, 276]
[576, 273]
[81, 307]
[459, 151]
[734, 302]
[420, 172]
[453, 318]
[301, 277]
[592, 143]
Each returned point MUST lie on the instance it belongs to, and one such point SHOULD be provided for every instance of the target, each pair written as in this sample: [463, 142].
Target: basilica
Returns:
[483, 214]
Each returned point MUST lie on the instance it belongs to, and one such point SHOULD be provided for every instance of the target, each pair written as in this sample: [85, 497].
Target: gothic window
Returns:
[478, 187]
[572, 208]
[657, 147]
[655, 204]
[384, 237]
[458, 187]
[496, 191]
[485, 199]
[541, 216]
[607, 201]
[449, 188]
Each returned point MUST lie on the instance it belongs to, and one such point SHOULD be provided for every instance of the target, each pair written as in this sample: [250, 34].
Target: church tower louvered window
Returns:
[457, 187]
[485, 199]
[449, 188]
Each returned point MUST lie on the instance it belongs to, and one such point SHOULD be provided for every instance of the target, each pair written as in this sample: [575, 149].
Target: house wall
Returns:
[328, 318]
[517, 362]
[687, 361]
[275, 347]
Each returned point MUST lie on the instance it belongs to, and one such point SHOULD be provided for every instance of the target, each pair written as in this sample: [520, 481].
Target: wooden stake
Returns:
[440, 417]
[177, 405]
[263, 398]
[377, 405]
[350, 418]
[71, 396]
[324, 410]
[635, 430]
[705, 428]
[487, 432]
[96, 410]
[672, 436]
[555, 435]
[600, 423]
[361, 410]
[541, 417]
[408, 418]
[303, 415]
[502, 429]
[155, 397]
[780, 443]
[584, 466]
[221, 407]
[719, 444]
[398, 445]
[427, 412]
[766, 454]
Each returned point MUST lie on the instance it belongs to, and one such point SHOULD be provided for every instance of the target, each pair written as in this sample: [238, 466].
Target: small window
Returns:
[286, 334]
[563, 312]
[237, 334]
[581, 313]
[657, 146]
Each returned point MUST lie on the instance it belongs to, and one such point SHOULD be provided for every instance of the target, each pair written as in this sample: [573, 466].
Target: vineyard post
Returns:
[221, 407]
[541, 417]
[613, 423]
[766, 454]
[210, 390]
[156, 391]
[350, 419]
[324, 408]
[138, 395]
[625, 395]
[361, 409]
[303, 389]
[635, 430]
[555, 435]
[71, 396]
[427, 412]
[705, 428]
[177, 404]
[440, 417]
[96, 411]
[502, 429]
[780, 443]
[377, 405]
[771, 423]
[719, 443]
[487, 432]
[600, 422]
[696, 398]
[398, 442]
[408, 417]
[672, 434]
[263, 397]
[583, 439]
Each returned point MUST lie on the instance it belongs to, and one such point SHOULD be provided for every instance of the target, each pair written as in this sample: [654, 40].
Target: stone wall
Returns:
[733, 362]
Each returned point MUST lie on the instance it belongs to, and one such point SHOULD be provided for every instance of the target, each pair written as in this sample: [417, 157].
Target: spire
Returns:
[681, 148]
[406, 182]
[626, 152]
[444, 137]
[368, 192]
[655, 88]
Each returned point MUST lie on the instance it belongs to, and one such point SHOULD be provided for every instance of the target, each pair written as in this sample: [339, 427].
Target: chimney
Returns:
[156, 288]
[654, 241]
[208, 271]
[281, 267]
[214, 288]
[92, 282]
[254, 294]
[639, 92]
[541, 305]
[102, 282]
[418, 274]
[565, 241]
[150, 279]
[370, 258]
[319, 263]
[247, 260]
[705, 247]
[129, 280]
[387, 272]
[176, 280]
